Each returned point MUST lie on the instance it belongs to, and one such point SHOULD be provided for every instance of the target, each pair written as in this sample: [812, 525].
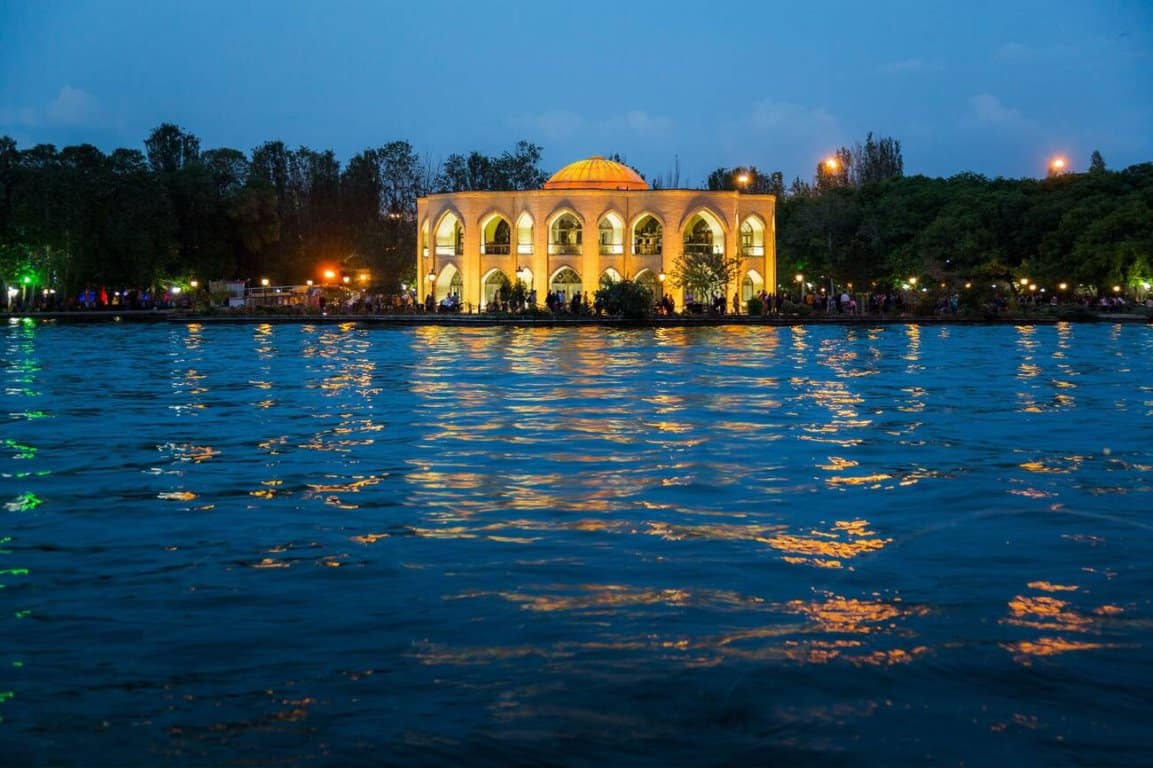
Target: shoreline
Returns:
[480, 321]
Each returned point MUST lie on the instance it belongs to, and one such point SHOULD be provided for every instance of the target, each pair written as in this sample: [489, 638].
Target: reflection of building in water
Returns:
[594, 220]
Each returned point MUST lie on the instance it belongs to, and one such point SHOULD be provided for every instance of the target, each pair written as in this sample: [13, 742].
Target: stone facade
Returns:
[467, 238]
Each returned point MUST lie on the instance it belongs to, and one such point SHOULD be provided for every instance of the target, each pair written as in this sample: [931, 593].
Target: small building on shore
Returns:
[593, 220]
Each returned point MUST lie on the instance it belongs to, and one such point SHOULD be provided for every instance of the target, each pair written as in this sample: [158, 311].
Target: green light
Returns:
[27, 280]
[25, 502]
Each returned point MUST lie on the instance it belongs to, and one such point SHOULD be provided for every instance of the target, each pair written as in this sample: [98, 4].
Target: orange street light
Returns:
[831, 164]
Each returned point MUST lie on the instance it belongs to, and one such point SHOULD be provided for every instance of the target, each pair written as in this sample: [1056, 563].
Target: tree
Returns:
[170, 148]
[754, 182]
[516, 170]
[704, 274]
[876, 161]
[1096, 163]
[626, 299]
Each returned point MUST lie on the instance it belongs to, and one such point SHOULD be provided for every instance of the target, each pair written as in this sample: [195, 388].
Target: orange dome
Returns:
[596, 173]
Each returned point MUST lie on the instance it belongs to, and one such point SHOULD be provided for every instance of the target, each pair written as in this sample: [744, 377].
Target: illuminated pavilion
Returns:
[595, 219]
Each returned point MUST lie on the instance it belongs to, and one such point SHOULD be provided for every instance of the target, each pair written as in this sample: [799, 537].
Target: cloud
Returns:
[644, 124]
[71, 106]
[25, 117]
[785, 119]
[560, 125]
[553, 125]
[987, 109]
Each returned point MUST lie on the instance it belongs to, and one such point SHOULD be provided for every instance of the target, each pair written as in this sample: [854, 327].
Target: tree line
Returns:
[77, 217]
[863, 222]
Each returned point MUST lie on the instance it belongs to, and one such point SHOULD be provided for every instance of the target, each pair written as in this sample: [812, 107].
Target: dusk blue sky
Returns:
[991, 87]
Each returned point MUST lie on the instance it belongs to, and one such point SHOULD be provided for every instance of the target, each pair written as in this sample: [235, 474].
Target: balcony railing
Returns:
[564, 249]
[524, 248]
[449, 250]
[499, 249]
[753, 250]
[698, 249]
[649, 249]
[612, 249]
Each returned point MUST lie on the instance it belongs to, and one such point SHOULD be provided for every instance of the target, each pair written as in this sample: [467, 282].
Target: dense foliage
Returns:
[1090, 231]
[77, 217]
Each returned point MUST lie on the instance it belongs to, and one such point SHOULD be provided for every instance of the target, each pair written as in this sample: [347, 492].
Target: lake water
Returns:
[816, 545]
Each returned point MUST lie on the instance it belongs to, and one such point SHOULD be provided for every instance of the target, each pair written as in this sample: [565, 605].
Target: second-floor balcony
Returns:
[499, 249]
[752, 250]
[612, 249]
[564, 249]
[449, 250]
[699, 249]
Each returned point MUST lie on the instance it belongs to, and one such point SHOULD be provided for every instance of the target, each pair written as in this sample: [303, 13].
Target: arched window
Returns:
[565, 284]
[703, 235]
[524, 234]
[497, 237]
[647, 240]
[565, 236]
[752, 237]
[610, 235]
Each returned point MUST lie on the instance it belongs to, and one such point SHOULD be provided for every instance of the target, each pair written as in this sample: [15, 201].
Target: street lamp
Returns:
[743, 180]
[1057, 166]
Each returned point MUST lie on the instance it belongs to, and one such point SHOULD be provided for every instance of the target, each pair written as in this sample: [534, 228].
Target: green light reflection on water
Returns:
[25, 502]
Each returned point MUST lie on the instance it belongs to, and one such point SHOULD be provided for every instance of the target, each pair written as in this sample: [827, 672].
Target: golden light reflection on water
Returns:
[831, 627]
[1059, 619]
[846, 540]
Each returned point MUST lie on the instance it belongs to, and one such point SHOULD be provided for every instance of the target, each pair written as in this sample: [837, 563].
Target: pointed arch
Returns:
[492, 285]
[753, 236]
[648, 279]
[524, 224]
[565, 234]
[450, 235]
[448, 283]
[647, 234]
[496, 235]
[611, 234]
[703, 233]
[564, 283]
[751, 285]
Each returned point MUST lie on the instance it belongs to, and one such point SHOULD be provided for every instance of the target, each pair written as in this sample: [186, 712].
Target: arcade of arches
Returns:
[594, 220]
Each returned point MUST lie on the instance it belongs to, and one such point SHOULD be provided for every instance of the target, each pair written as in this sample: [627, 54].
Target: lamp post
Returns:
[832, 165]
[1057, 166]
[743, 181]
